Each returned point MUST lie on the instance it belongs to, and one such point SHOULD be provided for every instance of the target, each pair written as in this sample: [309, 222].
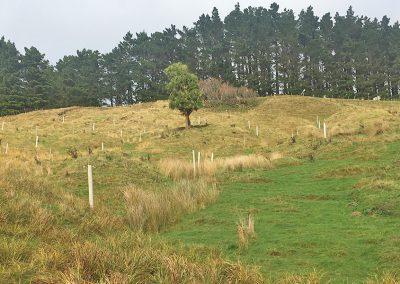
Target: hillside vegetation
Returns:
[322, 209]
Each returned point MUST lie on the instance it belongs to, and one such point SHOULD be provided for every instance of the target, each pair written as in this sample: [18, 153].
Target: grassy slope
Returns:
[303, 209]
[303, 222]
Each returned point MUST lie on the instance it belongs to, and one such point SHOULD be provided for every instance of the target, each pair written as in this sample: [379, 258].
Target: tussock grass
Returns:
[152, 211]
[244, 162]
[385, 278]
[314, 277]
[180, 169]
[177, 169]
[275, 156]
[94, 263]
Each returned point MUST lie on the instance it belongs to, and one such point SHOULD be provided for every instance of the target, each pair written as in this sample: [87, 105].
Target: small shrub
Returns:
[73, 152]
[217, 93]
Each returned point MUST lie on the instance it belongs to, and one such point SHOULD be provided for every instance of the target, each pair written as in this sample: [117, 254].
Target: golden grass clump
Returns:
[152, 211]
[314, 277]
[179, 169]
[385, 278]
[135, 259]
[275, 156]
[244, 162]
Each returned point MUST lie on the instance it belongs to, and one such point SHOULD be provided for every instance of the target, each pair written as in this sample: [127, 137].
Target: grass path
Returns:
[303, 222]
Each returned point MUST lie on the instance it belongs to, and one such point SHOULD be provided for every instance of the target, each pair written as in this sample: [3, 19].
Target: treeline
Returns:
[270, 51]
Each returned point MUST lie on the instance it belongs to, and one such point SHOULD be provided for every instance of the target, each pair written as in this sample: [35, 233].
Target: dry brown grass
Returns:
[152, 211]
[180, 169]
[275, 156]
[314, 277]
[386, 278]
[244, 162]
[94, 263]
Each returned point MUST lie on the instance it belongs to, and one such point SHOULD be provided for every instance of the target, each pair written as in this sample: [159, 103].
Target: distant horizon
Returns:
[58, 34]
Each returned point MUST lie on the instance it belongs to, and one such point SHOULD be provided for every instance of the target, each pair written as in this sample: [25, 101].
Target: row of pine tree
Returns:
[268, 50]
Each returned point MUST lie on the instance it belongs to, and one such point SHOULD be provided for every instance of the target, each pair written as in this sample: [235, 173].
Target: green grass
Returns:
[303, 222]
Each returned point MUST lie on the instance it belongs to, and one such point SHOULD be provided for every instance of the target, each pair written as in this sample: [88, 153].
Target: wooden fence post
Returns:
[90, 183]
[325, 131]
[94, 127]
[257, 131]
[2, 126]
[194, 163]
[212, 157]
[198, 160]
[250, 224]
[102, 146]
[37, 141]
[6, 148]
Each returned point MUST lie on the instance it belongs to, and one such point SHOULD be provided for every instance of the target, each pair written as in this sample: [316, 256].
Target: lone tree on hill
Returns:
[183, 87]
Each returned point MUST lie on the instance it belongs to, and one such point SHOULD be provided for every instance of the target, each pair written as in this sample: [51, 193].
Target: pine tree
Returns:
[36, 79]
[79, 79]
[11, 100]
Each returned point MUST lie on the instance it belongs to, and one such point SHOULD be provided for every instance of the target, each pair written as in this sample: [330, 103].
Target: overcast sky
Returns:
[60, 27]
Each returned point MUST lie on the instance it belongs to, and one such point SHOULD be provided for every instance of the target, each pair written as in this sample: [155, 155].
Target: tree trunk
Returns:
[187, 116]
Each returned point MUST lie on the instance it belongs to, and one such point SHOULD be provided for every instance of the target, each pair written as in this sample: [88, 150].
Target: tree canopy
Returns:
[184, 90]
[265, 49]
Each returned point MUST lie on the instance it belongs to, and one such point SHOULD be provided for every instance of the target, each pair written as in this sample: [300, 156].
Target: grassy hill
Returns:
[323, 209]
